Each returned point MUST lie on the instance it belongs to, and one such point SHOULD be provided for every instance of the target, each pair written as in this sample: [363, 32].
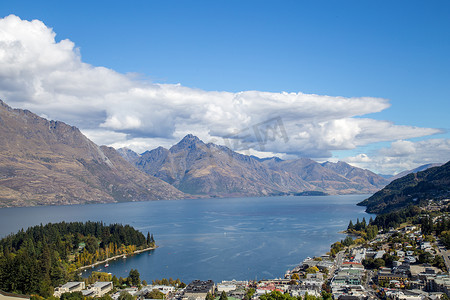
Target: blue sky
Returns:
[394, 50]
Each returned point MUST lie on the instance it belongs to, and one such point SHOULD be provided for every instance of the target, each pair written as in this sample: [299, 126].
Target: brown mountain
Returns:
[360, 177]
[208, 169]
[49, 162]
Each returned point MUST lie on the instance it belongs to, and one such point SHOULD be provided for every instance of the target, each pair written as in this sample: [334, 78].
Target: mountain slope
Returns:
[49, 162]
[433, 183]
[208, 169]
[128, 154]
[361, 177]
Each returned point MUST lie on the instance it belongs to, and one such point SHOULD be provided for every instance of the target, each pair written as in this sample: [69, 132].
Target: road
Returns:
[337, 264]
[444, 252]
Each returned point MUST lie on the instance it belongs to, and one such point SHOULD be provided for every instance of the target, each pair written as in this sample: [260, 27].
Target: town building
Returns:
[98, 289]
[70, 287]
[198, 289]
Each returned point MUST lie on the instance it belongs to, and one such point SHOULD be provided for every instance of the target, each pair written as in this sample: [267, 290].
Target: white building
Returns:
[75, 286]
[98, 289]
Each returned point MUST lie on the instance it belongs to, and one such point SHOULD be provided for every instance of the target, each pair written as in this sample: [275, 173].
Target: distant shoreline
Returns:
[115, 257]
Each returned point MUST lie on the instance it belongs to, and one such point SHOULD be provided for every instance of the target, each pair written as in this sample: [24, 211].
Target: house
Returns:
[229, 286]
[349, 291]
[379, 254]
[133, 291]
[325, 264]
[198, 289]
[410, 259]
[409, 228]
[312, 284]
[400, 253]
[302, 292]
[165, 289]
[221, 287]
[359, 255]
[425, 245]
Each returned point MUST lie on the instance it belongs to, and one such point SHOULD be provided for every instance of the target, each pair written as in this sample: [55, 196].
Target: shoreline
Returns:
[115, 257]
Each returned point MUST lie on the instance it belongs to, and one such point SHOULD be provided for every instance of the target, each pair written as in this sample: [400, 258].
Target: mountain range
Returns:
[414, 188]
[49, 163]
[46, 162]
[197, 168]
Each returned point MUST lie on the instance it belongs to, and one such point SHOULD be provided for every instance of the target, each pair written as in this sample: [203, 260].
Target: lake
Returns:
[218, 239]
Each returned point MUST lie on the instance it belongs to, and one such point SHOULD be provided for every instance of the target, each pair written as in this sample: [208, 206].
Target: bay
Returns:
[218, 239]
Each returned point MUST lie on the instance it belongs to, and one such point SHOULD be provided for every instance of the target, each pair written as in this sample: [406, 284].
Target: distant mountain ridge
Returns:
[432, 183]
[391, 177]
[415, 170]
[49, 163]
[197, 168]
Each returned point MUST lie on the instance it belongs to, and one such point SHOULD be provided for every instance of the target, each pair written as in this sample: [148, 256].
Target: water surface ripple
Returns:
[218, 239]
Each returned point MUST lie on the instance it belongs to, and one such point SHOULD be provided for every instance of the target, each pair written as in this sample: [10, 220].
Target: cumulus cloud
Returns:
[49, 77]
[404, 155]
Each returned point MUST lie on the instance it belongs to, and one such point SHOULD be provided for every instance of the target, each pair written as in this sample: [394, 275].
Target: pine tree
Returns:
[223, 296]
[350, 225]
[135, 277]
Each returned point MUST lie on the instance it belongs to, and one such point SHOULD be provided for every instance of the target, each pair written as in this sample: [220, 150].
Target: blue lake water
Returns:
[218, 239]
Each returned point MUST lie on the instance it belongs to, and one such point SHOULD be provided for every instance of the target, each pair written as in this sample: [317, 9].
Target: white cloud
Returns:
[49, 77]
[140, 145]
[404, 155]
[399, 149]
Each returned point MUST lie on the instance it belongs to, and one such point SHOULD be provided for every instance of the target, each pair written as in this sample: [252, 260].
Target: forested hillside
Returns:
[42, 257]
[433, 183]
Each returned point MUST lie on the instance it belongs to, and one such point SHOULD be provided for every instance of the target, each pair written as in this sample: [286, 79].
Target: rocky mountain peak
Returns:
[190, 141]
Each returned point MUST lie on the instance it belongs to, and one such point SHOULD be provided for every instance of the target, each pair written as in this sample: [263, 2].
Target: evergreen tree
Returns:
[350, 225]
[223, 296]
[115, 281]
[134, 277]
